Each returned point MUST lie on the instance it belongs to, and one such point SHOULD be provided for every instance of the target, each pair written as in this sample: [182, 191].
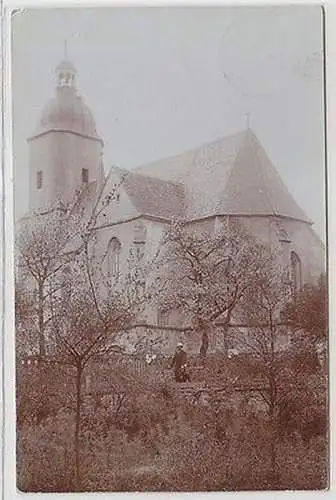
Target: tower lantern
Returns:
[65, 71]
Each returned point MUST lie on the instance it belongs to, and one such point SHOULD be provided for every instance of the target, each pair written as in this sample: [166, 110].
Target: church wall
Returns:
[44, 156]
[125, 233]
[304, 242]
[261, 227]
[203, 227]
[120, 208]
[308, 247]
[79, 153]
[61, 156]
[155, 233]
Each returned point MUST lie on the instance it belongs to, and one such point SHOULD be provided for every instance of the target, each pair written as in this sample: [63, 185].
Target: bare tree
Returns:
[46, 242]
[58, 293]
[40, 244]
[85, 326]
[206, 276]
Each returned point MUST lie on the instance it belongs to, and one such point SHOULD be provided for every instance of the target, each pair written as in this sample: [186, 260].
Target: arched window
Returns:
[296, 273]
[139, 249]
[85, 175]
[39, 179]
[282, 232]
[139, 241]
[113, 255]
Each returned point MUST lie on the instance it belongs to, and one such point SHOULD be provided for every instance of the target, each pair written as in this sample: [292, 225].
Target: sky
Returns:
[161, 81]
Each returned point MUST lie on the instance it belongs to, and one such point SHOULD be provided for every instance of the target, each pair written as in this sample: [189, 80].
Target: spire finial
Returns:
[65, 71]
[248, 119]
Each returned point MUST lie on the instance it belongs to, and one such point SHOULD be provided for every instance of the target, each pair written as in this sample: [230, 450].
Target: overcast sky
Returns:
[160, 81]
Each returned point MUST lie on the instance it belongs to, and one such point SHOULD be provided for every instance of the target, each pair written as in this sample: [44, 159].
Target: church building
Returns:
[229, 177]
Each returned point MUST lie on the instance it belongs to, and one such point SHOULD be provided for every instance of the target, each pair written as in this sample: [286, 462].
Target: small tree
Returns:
[85, 327]
[40, 245]
[307, 316]
[265, 339]
[57, 292]
[46, 243]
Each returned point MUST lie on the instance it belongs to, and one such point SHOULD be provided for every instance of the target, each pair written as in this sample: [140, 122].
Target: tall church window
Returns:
[39, 179]
[113, 256]
[85, 175]
[139, 239]
[296, 273]
[139, 249]
[163, 318]
[282, 233]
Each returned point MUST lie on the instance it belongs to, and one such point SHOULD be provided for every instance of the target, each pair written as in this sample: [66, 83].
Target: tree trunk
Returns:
[226, 326]
[79, 372]
[204, 346]
[273, 452]
[225, 340]
[274, 434]
[42, 346]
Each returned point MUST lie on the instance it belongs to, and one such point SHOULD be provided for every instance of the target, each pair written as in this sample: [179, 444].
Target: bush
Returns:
[148, 437]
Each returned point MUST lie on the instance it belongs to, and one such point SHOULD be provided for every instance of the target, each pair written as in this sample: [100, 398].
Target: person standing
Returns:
[179, 363]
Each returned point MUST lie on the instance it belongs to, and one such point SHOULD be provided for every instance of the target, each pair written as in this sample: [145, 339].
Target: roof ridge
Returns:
[260, 165]
[152, 179]
[192, 150]
[237, 153]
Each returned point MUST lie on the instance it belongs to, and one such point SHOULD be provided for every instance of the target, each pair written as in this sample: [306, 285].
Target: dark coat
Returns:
[179, 359]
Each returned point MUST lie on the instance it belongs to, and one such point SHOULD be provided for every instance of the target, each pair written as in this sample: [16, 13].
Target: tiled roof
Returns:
[254, 186]
[153, 196]
[232, 175]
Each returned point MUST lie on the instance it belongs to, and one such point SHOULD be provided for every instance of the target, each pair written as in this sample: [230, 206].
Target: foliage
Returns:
[160, 441]
[308, 314]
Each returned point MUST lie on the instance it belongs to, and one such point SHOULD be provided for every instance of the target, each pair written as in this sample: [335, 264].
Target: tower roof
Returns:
[67, 111]
[66, 65]
[230, 176]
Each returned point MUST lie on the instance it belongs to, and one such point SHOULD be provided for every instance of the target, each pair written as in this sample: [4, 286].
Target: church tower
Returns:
[65, 150]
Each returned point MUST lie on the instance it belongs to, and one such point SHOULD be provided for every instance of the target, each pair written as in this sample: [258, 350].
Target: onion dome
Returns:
[67, 110]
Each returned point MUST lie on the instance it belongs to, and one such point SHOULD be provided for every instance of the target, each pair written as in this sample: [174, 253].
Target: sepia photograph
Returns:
[171, 290]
